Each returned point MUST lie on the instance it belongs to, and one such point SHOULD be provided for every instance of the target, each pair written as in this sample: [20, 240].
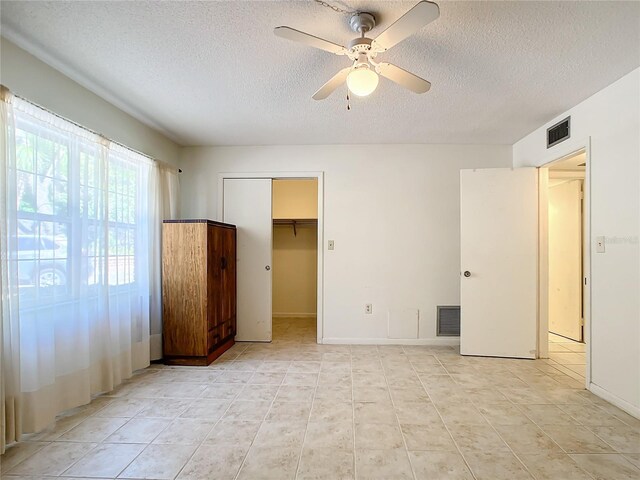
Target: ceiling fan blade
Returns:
[412, 21]
[403, 78]
[298, 36]
[329, 87]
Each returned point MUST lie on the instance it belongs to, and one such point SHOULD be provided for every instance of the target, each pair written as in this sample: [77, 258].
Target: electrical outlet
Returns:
[368, 309]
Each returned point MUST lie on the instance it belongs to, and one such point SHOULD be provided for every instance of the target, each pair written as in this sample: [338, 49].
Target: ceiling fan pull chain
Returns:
[348, 102]
[335, 8]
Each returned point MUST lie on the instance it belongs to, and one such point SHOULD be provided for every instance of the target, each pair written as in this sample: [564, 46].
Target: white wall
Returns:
[393, 211]
[36, 81]
[611, 119]
[295, 262]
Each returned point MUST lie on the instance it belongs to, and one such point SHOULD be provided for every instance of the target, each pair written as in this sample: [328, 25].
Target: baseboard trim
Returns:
[155, 346]
[294, 315]
[435, 342]
[614, 400]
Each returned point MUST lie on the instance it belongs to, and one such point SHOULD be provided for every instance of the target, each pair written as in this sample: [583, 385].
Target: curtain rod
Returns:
[4, 97]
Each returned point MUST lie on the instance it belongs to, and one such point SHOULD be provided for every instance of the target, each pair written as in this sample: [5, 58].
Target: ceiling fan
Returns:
[362, 75]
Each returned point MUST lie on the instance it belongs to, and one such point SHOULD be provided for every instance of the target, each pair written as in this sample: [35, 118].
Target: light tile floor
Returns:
[568, 356]
[296, 410]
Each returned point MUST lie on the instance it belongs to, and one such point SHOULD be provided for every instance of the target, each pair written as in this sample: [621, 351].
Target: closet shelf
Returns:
[295, 222]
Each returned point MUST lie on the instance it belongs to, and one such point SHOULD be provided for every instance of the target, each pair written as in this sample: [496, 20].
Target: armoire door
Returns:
[215, 295]
[247, 204]
[228, 282]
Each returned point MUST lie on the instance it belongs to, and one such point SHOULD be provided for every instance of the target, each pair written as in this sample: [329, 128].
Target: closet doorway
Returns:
[247, 201]
[294, 260]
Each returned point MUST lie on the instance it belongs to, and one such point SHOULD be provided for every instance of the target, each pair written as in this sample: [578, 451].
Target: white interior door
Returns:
[247, 204]
[565, 258]
[499, 262]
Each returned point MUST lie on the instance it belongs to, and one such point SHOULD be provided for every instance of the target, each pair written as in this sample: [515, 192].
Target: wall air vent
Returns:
[559, 132]
[448, 321]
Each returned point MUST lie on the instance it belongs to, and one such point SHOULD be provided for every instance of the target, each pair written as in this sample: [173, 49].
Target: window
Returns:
[43, 213]
[78, 205]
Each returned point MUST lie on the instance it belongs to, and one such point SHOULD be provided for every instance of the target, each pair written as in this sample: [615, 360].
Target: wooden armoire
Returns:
[198, 290]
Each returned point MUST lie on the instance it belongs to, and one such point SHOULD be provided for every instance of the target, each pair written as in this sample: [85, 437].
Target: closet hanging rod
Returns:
[299, 221]
[295, 222]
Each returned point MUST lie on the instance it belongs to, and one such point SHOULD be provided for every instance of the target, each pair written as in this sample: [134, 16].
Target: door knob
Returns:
[467, 273]
[267, 268]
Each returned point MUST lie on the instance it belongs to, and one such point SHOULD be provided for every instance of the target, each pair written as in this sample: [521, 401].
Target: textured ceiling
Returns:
[213, 73]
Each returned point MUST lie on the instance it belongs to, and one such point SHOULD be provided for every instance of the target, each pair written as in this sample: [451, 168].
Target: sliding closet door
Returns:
[247, 204]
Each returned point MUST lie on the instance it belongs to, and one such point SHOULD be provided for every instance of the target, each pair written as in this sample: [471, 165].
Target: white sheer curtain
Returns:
[80, 238]
[10, 405]
[167, 189]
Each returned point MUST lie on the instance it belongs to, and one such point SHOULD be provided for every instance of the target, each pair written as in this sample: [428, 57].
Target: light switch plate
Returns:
[332, 244]
[600, 245]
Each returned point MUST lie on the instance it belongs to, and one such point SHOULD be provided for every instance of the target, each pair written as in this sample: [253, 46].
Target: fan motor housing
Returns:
[362, 22]
[360, 45]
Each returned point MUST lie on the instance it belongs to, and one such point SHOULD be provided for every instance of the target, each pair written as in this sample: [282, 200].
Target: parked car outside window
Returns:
[42, 261]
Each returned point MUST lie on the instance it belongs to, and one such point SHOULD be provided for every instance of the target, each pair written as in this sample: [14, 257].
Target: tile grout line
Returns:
[404, 440]
[204, 438]
[568, 455]
[353, 415]
[533, 422]
[102, 442]
[193, 401]
[464, 459]
[147, 445]
[352, 402]
[98, 444]
[237, 475]
[304, 436]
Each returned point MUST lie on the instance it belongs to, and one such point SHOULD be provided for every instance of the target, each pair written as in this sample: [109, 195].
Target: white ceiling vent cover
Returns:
[559, 132]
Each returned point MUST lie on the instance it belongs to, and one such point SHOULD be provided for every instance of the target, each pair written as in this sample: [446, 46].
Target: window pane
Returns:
[62, 162]
[44, 195]
[25, 188]
[44, 157]
[60, 197]
[25, 151]
[42, 256]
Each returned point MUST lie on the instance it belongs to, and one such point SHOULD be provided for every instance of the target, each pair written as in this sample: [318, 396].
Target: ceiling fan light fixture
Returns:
[362, 81]
[361, 78]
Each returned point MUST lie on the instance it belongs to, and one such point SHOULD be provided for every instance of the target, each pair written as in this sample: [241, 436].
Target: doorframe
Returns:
[562, 152]
[319, 176]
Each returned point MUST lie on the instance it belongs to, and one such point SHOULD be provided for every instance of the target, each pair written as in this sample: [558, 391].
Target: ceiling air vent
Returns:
[448, 321]
[559, 132]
